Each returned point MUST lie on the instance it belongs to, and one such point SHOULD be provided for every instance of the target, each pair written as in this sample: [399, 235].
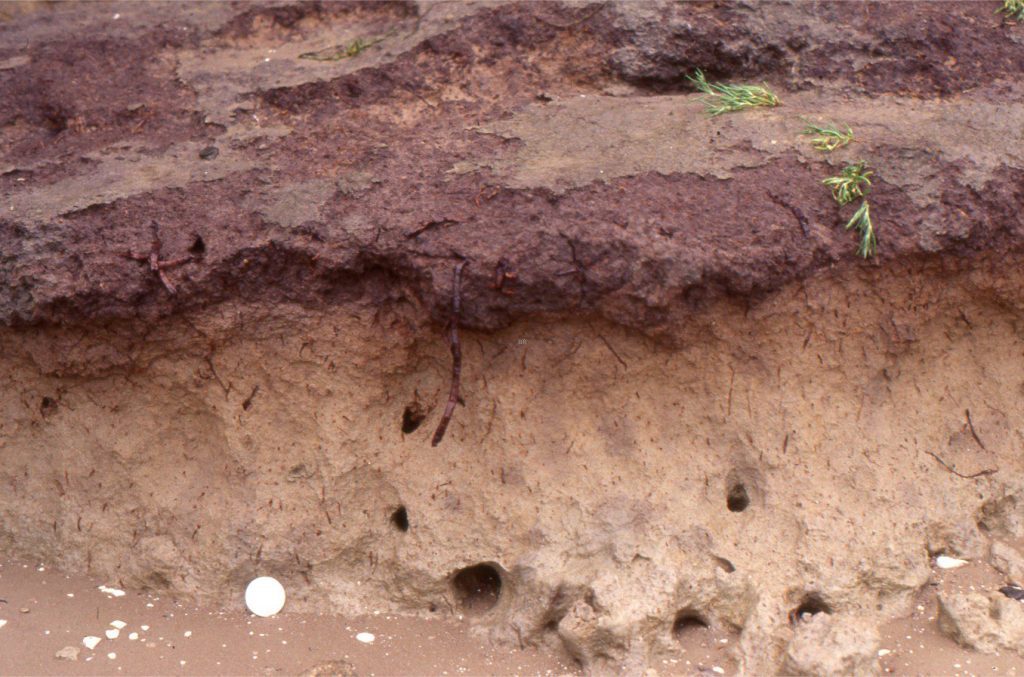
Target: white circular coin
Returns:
[264, 596]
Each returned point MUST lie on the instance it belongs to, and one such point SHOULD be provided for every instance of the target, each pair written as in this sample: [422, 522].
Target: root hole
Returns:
[198, 247]
[810, 606]
[47, 406]
[412, 417]
[400, 519]
[738, 499]
[477, 588]
[687, 623]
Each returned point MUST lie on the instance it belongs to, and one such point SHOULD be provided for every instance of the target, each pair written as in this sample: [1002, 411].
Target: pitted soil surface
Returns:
[689, 412]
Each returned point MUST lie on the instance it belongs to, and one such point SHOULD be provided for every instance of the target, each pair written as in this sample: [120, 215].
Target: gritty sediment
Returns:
[685, 400]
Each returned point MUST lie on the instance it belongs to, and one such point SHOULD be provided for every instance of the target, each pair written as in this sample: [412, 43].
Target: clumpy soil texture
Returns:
[694, 425]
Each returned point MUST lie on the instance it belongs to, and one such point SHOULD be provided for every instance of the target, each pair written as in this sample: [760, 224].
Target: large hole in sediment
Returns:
[811, 605]
[737, 500]
[477, 588]
[412, 417]
[400, 518]
[688, 623]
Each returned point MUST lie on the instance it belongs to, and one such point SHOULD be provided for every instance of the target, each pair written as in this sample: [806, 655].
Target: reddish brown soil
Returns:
[386, 128]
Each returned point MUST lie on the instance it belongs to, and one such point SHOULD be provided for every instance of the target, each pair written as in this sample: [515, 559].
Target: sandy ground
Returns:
[915, 646]
[47, 611]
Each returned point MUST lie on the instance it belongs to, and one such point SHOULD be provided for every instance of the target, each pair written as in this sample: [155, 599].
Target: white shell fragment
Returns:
[90, 642]
[366, 637]
[68, 653]
[112, 633]
[118, 624]
[264, 596]
[945, 562]
[113, 592]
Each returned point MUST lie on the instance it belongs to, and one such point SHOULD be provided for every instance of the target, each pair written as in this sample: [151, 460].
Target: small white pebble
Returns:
[111, 655]
[112, 633]
[90, 642]
[366, 637]
[2, 622]
[133, 636]
[181, 662]
[188, 633]
[118, 624]
[944, 562]
[145, 628]
[113, 592]
[71, 594]
[717, 670]
[884, 652]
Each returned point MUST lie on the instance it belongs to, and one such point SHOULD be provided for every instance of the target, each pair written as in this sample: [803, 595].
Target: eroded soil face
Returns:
[687, 405]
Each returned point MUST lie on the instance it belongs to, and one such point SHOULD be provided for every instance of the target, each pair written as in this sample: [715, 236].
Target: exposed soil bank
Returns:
[596, 485]
[686, 402]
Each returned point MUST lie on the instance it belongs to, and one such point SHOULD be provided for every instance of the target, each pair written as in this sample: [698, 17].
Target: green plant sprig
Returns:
[861, 221]
[853, 182]
[339, 52]
[728, 98]
[1013, 9]
[828, 138]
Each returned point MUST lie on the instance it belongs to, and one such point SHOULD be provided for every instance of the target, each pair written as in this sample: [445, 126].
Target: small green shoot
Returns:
[852, 183]
[829, 138]
[1013, 9]
[861, 221]
[339, 52]
[728, 98]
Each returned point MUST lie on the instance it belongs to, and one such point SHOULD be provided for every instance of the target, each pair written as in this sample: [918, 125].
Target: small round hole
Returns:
[400, 518]
[810, 606]
[737, 500]
[47, 406]
[477, 588]
[688, 623]
[412, 417]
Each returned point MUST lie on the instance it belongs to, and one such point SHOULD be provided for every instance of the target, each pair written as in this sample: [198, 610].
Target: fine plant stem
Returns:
[853, 182]
[829, 138]
[728, 98]
[861, 221]
[1013, 9]
[339, 52]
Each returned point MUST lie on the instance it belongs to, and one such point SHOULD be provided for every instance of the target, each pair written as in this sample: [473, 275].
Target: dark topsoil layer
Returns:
[366, 178]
